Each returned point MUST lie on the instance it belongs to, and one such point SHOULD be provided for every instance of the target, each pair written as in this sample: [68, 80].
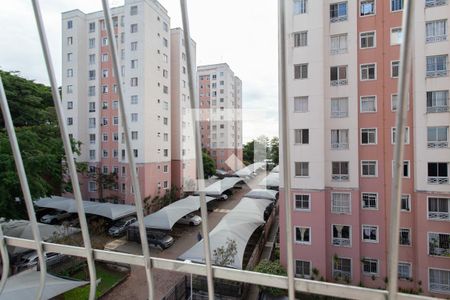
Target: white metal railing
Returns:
[339, 82]
[437, 73]
[436, 38]
[432, 3]
[145, 260]
[338, 19]
[340, 177]
[339, 275]
[339, 114]
[438, 215]
[437, 144]
[343, 242]
[437, 180]
[438, 251]
[438, 109]
[339, 146]
[439, 287]
[338, 51]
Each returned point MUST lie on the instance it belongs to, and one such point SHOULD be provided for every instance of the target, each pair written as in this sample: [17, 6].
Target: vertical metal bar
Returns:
[5, 261]
[25, 188]
[130, 154]
[285, 152]
[198, 146]
[403, 92]
[68, 149]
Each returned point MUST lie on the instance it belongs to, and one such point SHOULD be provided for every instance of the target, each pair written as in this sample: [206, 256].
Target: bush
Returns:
[271, 267]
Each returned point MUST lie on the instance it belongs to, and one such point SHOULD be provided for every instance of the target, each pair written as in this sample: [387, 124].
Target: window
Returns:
[105, 73]
[301, 71]
[340, 203]
[69, 56]
[301, 104]
[105, 137]
[105, 57]
[133, 10]
[342, 268]
[338, 12]
[338, 75]
[342, 235]
[300, 7]
[437, 101]
[166, 27]
[302, 169]
[339, 139]
[369, 266]
[394, 102]
[104, 89]
[91, 75]
[166, 121]
[367, 7]
[395, 69]
[405, 204]
[437, 65]
[105, 41]
[165, 89]
[135, 152]
[302, 202]
[69, 89]
[404, 270]
[69, 40]
[134, 81]
[69, 24]
[92, 59]
[405, 237]
[134, 28]
[438, 244]
[115, 104]
[105, 153]
[165, 168]
[369, 168]
[396, 36]
[92, 186]
[369, 200]
[396, 5]
[339, 107]
[368, 104]
[69, 121]
[338, 44]
[91, 43]
[69, 105]
[439, 280]
[301, 39]
[368, 136]
[165, 58]
[393, 135]
[301, 136]
[368, 72]
[134, 117]
[134, 63]
[370, 233]
[134, 99]
[367, 40]
[133, 46]
[105, 121]
[91, 106]
[438, 209]
[165, 42]
[91, 122]
[166, 152]
[436, 31]
[437, 173]
[134, 135]
[92, 27]
[302, 235]
[302, 269]
[437, 137]
[91, 90]
[339, 171]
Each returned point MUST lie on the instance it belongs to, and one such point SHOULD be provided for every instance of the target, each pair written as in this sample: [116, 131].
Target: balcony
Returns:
[436, 39]
[433, 3]
[437, 73]
[343, 275]
[340, 177]
[338, 19]
[437, 145]
[438, 251]
[339, 114]
[437, 180]
[338, 51]
[342, 242]
[438, 215]
[339, 146]
[339, 82]
[438, 109]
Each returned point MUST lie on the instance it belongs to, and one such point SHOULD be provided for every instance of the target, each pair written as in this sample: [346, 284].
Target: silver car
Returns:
[190, 219]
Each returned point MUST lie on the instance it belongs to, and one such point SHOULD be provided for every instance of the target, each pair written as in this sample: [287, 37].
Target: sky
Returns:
[240, 33]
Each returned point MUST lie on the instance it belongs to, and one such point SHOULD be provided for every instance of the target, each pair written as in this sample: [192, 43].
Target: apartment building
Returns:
[90, 98]
[220, 97]
[343, 68]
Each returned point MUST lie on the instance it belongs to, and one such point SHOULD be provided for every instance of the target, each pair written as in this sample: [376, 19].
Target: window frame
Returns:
[295, 201]
[367, 65]
[369, 163]
[369, 132]
[377, 231]
[309, 234]
[374, 37]
[361, 98]
[367, 15]
[376, 201]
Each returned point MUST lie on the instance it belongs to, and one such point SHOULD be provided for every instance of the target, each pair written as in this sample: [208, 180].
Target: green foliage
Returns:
[225, 255]
[271, 267]
[274, 150]
[248, 152]
[256, 150]
[104, 182]
[209, 166]
[152, 204]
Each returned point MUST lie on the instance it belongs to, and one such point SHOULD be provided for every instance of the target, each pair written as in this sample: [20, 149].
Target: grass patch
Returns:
[108, 279]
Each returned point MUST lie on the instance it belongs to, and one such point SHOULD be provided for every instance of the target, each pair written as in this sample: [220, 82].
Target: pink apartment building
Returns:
[152, 71]
[220, 97]
[342, 82]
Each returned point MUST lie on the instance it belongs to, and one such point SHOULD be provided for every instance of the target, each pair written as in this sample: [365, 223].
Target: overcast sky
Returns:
[240, 33]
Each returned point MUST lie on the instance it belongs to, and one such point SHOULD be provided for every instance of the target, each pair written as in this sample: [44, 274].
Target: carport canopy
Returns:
[25, 285]
[248, 170]
[167, 216]
[219, 187]
[271, 180]
[238, 225]
[262, 194]
[108, 210]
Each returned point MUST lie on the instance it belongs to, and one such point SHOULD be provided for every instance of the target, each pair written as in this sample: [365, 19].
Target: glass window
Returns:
[369, 168]
[302, 269]
[301, 71]
[301, 136]
[338, 44]
[369, 200]
[338, 12]
[302, 202]
[300, 7]
[367, 8]
[301, 104]
[302, 169]
[303, 235]
[301, 39]
[368, 104]
[370, 233]
[340, 203]
[367, 40]
[368, 136]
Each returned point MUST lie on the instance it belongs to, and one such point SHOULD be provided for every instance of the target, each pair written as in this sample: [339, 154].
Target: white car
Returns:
[32, 259]
[55, 217]
[190, 219]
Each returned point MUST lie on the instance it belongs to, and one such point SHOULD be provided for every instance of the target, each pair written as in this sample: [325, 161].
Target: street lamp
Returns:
[190, 262]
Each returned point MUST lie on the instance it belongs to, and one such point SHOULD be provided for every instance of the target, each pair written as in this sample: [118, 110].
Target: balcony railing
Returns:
[338, 51]
[438, 109]
[338, 274]
[342, 242]
[339, 114]
[339, 146]
[437, 73]
[436, 39]
[432, 3]
[340, 177]
[439, 287]
[438, 251]
[339, 82]
[437, 145]
[338, 19]
[438, 215]
[437, 180]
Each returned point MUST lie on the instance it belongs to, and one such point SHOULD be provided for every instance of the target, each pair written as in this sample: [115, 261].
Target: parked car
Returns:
[190, 219]
[31, 259]
[159, 240]
[55, 217]
[120, 226]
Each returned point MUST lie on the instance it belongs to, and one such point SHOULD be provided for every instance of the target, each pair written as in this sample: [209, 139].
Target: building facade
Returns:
[90, 98]
[342, 76]
[220, 98]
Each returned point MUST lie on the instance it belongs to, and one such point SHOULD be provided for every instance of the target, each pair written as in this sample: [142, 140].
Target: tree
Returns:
[209, 166]
[271, 267]
[104, 182]
[225, 255]
[248, 152]
[274, 150]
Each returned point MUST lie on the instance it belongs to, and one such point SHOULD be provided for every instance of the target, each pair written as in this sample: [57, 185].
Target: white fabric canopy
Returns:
[25, 285]
[276, 169]
[248, 170]
[219, 187]
[262, 194]
[107, 210]
[238, 225]
[166, 217]
[22, 229]
[271, 180]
